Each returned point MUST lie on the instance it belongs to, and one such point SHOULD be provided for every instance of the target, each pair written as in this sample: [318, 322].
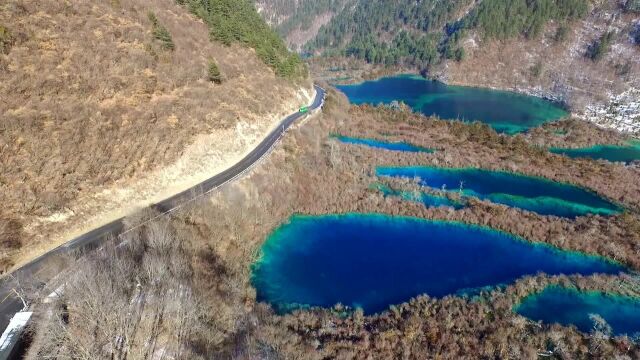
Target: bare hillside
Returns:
[100, 112]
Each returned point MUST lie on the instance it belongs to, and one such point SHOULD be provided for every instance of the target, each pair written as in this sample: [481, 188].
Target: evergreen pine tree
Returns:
[214, 72]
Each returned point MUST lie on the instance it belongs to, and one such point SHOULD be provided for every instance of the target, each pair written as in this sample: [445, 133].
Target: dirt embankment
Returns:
[98, 116]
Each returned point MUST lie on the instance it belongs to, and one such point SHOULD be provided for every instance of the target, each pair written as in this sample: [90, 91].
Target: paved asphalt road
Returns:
[10, 304]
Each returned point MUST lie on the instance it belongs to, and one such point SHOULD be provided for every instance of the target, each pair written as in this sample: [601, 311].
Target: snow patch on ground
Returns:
[621, 112]
[14, 329]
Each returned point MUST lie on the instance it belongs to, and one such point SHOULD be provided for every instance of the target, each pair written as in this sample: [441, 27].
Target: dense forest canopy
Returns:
[508, 18]
[238, 21]
[419, 33]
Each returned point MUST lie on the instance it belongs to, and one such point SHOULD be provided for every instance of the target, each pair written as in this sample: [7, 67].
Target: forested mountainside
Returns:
[416, 32]
[298, 21]
[107, 103]
[581, 52]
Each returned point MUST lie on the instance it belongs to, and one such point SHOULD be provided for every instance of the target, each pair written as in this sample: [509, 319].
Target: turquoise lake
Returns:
[372, 261]
[393, 146]
[506, 112]
[613, 153]
[572, 307]
[535, 194]
[428, 200]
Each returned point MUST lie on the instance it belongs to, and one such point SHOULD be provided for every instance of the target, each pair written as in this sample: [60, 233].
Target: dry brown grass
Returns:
[89, 98]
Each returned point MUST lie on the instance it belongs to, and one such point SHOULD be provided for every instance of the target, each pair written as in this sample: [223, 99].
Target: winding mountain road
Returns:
[42, 266]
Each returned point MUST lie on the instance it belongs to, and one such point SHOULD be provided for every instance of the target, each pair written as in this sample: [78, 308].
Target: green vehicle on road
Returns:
[304, 110]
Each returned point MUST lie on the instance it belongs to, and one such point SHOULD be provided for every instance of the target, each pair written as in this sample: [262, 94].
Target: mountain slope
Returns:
[299, 21]
[580, 52]
[105, 109]
[560, 64]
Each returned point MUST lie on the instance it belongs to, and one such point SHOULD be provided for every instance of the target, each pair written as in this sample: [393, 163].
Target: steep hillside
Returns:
[581, 52]
[592, 65]
[107, 105]
[299, 21]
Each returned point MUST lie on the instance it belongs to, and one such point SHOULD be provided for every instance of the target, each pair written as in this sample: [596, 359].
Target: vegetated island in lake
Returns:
[371, 261]
[569, 306]
[392, 146]
[613, 153]
[536, 194]
[506, 112]
[428, 200]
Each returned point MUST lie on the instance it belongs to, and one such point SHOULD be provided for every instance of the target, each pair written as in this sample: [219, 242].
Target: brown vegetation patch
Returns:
[573, 133]
[91, 100]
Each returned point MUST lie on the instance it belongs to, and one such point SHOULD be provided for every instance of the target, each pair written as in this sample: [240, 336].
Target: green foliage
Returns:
[423, 33]
[562, 33]
[6, 40]
[459, 54]
[214, 72]
[237, 21]
[161, 33]
[599, 48]
[536, 70]
[503, 19]
[415, 30]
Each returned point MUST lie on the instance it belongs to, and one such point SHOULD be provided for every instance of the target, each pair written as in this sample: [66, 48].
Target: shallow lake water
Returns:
[568, 306]
[392, 146]
[536, 194]
[428, 200]
[372, 261]
[614, 153]
[505, 111]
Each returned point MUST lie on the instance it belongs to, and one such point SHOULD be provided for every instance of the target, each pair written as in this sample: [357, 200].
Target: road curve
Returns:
[10, 304]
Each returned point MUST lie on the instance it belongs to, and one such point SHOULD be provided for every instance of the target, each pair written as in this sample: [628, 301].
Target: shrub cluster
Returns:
[161, 33]
[5, 40]
[214, 72]
[600, 47]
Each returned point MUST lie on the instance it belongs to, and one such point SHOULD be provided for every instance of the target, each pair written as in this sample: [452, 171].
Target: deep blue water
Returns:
[393, 146]
[506, 112]
[572, 307]
[372, 261]
[536, 194]
[613, 153]
[428, 200]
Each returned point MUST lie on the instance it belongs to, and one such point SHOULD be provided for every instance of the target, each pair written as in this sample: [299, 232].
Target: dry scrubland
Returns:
[96, 114]
[200, 258]
[574, 133]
